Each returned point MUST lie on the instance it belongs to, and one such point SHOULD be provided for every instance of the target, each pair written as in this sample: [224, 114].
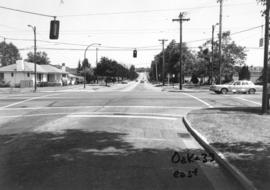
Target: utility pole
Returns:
[35, 52]
[3, 52]
[220, 36]
[180, 20]
[96, 56]
[156, 72]
[163, 61]
[265, 100]
[212, 55]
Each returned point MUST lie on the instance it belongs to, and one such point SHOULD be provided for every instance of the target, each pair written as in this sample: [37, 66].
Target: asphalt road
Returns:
[130, 136]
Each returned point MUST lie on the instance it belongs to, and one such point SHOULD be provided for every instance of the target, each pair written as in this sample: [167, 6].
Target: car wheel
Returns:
[252, 91]
[224, 91]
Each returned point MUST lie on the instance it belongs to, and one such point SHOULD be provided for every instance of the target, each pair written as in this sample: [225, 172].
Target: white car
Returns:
[240, 86]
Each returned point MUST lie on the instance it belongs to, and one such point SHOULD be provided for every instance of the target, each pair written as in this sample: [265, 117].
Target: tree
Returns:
[79, 68]
[172, 55]
[232, 55]
[132, 73]
[41, 58]
[111, 69]
[9, 54]
[87, 71]
[244, 73]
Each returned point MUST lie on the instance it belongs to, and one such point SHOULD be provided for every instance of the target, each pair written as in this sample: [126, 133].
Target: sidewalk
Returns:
[242, 135]
[185, 88]
[80, 87]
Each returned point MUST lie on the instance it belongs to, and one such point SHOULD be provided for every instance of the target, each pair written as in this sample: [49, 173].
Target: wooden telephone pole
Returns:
[180, 20]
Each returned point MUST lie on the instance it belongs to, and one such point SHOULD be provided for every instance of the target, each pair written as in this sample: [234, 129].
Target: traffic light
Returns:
[54, 29]
[134, 53]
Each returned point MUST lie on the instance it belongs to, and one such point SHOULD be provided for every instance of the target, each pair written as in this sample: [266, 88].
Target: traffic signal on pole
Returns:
[134, 53]
[54, 29]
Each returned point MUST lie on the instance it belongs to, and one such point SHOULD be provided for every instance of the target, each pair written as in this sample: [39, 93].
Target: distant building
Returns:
[255, 72]
[22, 74]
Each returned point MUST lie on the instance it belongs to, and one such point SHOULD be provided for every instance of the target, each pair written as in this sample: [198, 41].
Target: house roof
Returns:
[75, 76]
[52, 69]
[30, 67]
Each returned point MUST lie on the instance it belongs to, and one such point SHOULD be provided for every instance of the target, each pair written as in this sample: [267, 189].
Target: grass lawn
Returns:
[242, 135]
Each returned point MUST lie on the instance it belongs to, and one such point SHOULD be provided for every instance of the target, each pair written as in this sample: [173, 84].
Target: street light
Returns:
[85, 59]
[35, 50]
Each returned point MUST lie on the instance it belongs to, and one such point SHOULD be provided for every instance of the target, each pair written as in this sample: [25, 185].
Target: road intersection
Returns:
[112, 138]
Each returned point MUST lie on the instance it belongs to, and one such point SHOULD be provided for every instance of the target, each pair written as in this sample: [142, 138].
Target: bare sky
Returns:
[121, 25]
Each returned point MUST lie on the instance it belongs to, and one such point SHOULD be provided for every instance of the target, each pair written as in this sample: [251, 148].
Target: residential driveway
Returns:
[125, 138]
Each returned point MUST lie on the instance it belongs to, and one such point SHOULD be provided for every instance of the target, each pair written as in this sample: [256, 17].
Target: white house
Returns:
[22, 74]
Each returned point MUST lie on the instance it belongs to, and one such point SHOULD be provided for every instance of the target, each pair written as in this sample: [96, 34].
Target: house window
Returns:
[28, 74]
[12, 74]
[1, 76]
[39, 77]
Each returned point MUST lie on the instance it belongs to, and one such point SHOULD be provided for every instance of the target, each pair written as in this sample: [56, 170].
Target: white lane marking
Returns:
[190, 143]
[81, 107]
[123, 116]
[98, 113]
[152, 139]
[89, 115]
[249, 101]
[200, 100]
[27, 100]
[130, 87]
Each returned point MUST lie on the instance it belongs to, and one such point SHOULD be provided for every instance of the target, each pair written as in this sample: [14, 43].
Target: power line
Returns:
[119, 47]
[100, 49]
[28, 12]
[234, 33]
[151, 11]
[246, 30]
[76, 44]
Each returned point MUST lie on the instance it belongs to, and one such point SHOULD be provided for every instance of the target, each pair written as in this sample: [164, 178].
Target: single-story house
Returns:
[22, 74]
[73, 79]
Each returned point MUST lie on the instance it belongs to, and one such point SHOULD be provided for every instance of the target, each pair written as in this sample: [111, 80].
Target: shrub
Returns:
[194, 79]
[4, 84]
[54, 84]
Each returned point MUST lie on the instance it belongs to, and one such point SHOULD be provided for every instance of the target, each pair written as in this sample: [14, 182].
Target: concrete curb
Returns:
[219, 157]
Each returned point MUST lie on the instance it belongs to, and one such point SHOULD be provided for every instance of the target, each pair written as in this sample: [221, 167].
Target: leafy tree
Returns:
[232, 55]
[87, 71]
[194, 79]
[244, 73]
[9, 54]
[111, 69]
[41, 58]
[86, 64]
[132, 73]
[79, 68]
[172, 55]
[203, 65]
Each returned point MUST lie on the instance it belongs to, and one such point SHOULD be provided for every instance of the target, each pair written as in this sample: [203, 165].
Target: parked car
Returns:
[240, 86]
